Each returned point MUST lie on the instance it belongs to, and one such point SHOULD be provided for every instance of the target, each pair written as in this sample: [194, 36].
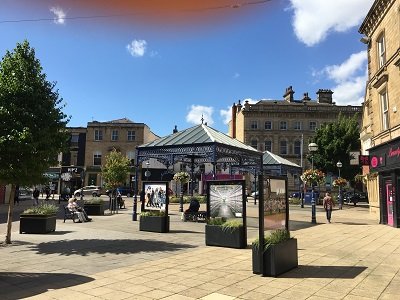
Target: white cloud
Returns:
[137, 48]
[350, 79]
[354, 63]
[59, 14]
[313, 20]
[197, 112]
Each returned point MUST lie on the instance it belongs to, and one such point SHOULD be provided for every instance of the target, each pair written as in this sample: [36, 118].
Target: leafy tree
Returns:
[115, 170]
[335, 142]
[32, 127]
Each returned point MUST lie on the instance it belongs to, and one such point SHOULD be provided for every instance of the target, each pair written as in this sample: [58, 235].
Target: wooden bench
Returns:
[69, 214]
[199, 216]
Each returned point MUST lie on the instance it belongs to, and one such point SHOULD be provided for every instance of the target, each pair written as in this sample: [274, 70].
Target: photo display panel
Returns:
[155, 195]
[275, 204]
[226, 199]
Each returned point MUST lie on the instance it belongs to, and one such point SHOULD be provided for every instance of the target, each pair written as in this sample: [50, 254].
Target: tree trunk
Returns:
[10, 214]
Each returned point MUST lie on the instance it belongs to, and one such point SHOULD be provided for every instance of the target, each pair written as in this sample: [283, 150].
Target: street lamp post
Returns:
[313, 147]
[339, 165]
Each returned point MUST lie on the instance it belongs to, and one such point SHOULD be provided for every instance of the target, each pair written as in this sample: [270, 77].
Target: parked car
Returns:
[295, 195]
[123, 190]
[90, 190]
[254, 194]
[351, 197]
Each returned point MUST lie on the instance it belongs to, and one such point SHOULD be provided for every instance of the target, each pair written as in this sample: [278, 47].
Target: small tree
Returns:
[115, 170]
[32, 127]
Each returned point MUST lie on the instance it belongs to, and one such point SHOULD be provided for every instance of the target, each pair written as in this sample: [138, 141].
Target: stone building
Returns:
[102, 137]
[380, 133]
[286, 127]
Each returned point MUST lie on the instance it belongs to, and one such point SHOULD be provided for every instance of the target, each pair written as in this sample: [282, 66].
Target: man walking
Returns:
[328, 205]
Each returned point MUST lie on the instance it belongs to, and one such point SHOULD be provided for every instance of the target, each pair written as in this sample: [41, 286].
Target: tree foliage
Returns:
[335, 142]
[32, 127]
[115, 170]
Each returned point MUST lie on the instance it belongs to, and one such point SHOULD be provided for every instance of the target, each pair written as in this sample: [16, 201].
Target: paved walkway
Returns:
[109, 258]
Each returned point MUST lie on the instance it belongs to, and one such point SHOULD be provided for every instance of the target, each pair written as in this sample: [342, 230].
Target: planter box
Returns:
[278, 259]
[94, 209]
[230, 238]
[154, 223]
[37, 224]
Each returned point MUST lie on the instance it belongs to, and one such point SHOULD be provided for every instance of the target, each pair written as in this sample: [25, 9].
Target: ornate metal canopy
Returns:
[197, 145]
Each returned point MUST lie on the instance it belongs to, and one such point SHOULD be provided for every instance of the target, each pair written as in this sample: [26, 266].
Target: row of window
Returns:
[283, 125]
[98, 135]
[97, 156]
[283, 146]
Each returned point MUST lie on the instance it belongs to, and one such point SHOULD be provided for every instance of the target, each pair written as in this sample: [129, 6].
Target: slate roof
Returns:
[273, 159]
[199, 134]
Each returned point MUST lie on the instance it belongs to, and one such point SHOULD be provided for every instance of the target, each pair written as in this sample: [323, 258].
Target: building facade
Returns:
[380, 133]
[286, 127]
[102, 137]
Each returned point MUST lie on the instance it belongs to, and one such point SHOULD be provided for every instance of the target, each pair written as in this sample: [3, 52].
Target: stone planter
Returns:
[154, 223]
[94, 209]
[37, 223]
[278, 259]
[231, 237]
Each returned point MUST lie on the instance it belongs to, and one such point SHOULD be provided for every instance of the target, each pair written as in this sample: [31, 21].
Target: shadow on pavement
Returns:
[17, 285]
[352, 223]
[59, 232]
[86, 247]
[297, 225]
[344, 272]
[185, 231]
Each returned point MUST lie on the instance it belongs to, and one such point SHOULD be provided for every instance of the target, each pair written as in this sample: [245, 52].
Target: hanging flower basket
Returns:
[340, 182]
[311, 176]
[182, 177]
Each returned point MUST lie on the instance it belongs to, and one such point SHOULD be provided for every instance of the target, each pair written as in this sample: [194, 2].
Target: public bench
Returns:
[199, 216]
[69, 214]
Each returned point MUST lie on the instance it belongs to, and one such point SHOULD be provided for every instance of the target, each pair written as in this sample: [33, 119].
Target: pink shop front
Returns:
[385, 160]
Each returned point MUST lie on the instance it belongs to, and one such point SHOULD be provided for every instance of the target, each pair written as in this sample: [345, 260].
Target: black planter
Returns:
[231, 237]
[37, 223]
[154, 223]
[278, 259]
[94, 209]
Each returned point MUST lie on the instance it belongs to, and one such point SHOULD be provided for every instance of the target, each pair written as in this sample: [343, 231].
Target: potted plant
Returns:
[154, 220]
[226, 233]
[38, 219]
[94, 207]
[279, 253]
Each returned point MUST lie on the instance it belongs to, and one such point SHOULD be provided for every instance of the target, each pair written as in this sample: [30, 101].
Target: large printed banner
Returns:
[275, 204]
[155, 195]
[226, 199]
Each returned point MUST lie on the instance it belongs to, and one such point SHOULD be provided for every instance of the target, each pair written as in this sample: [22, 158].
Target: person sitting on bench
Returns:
[73, 206]
[194, 206]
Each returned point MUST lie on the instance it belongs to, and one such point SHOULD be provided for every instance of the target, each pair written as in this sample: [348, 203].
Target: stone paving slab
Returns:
[109, 258]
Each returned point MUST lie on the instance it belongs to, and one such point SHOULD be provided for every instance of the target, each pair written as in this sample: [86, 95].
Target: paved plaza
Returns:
[109, 258]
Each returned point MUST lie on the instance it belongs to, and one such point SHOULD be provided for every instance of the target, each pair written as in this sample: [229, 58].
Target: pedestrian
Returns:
[328, 205]
[35, 196]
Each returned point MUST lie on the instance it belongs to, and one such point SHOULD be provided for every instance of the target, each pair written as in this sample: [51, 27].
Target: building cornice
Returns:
[375, 16]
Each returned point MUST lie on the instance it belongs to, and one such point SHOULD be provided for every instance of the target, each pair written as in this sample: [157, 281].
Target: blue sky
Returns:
[165, 74]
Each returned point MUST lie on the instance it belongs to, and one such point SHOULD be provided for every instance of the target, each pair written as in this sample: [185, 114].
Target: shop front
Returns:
[385, 160]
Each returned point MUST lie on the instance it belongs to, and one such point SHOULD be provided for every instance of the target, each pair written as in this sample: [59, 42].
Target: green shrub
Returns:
[93, 201]
[186, 199]
[42, 209]
[294, 200]
[275, 237]
[153, 213]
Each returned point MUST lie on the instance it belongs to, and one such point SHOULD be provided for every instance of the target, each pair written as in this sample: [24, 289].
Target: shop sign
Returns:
[364, 160]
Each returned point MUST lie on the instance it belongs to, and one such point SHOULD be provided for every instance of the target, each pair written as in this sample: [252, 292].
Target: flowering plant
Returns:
[310, 176]
[340, 182]
[182, 177]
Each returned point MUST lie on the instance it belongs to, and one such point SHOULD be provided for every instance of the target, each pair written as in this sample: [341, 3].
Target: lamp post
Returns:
[339, 165]
[313, 147]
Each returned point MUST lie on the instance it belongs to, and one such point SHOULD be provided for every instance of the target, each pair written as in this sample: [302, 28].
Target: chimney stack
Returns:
[234, 111]
[175, 130]
[324, 96]
[288, 96]
[239, 106]
[305, 97]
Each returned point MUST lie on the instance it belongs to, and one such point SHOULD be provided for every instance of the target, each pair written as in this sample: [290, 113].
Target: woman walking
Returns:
[328, 205]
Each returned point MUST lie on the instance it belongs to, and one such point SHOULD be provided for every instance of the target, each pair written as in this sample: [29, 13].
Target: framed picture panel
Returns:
[155, 195]
[276, 205]
[226, 199]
